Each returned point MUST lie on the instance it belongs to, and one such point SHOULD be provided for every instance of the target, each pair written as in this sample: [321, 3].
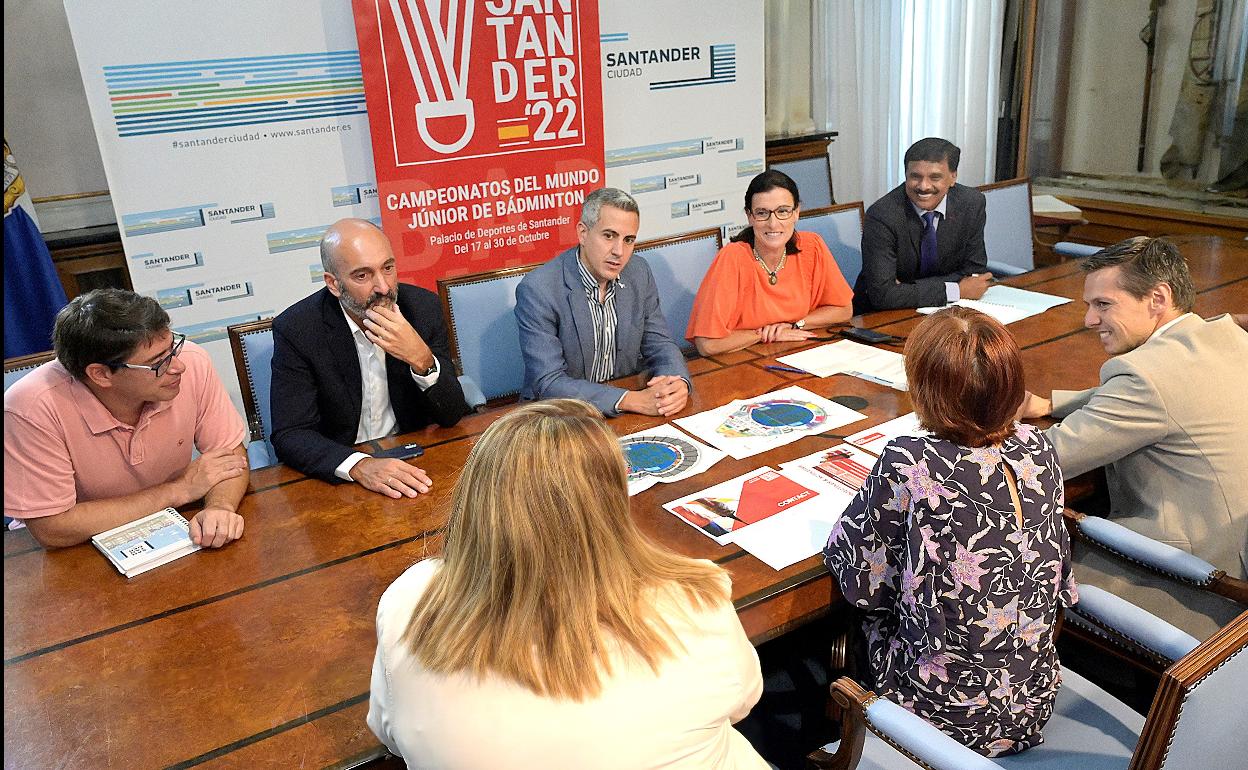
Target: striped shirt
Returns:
[603, 315]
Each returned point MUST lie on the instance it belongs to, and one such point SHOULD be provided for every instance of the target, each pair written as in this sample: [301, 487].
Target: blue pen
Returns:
[778, 368]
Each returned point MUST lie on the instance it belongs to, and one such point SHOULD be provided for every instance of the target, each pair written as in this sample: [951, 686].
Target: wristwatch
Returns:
[432, 368]
[799, 324]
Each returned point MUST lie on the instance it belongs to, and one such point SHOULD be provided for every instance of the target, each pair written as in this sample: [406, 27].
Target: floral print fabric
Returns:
[960, 600]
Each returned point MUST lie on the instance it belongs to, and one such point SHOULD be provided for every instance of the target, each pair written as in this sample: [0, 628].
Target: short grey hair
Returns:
[1146, 263]
[591, 210]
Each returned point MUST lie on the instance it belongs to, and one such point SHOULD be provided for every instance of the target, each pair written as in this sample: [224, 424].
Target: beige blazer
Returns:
[1169, 422]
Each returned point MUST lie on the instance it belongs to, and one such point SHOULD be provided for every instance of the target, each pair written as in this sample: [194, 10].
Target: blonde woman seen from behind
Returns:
[551, 633]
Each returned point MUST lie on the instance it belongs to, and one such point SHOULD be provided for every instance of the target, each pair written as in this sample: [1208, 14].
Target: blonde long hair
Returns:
[543, 562]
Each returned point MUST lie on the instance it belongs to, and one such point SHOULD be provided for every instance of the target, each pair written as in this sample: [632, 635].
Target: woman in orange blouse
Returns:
[771, 283]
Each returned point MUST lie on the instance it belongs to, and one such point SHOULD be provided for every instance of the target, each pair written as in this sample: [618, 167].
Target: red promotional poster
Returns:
[486, 123]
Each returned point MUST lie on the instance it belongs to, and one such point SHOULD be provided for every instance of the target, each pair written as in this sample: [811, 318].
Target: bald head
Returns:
[359, 265]
[350, 236]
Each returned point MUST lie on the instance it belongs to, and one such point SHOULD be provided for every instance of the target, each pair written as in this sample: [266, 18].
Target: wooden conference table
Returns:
[258, 655]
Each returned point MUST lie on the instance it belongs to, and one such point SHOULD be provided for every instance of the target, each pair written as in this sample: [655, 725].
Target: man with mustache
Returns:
[364, 357]
[923, 242]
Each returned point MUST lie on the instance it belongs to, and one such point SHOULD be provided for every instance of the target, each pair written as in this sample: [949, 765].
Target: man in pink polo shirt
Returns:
[103, 435]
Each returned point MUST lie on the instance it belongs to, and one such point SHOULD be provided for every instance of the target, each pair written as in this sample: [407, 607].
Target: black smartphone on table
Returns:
[401, 452]
[869, 336]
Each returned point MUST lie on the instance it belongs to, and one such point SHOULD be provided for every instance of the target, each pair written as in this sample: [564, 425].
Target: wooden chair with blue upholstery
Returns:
[813, 176]
[1190, 726]
[679, 264]
[18, 367]
[841, 228]
[252, 344]
[485, 339]
[1008, 236]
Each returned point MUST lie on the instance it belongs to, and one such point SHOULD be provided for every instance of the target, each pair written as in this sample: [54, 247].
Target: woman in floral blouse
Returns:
[955, 548]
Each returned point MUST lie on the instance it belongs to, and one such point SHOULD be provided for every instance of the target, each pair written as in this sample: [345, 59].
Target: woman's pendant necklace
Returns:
[771, 274]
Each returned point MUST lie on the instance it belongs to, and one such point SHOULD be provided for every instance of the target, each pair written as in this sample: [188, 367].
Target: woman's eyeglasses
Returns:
[762, 215]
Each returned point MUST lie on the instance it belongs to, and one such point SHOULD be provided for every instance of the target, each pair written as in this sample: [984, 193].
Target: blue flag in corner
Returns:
[32, 292]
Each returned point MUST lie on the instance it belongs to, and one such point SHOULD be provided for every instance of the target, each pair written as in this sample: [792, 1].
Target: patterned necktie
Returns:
[927, 247]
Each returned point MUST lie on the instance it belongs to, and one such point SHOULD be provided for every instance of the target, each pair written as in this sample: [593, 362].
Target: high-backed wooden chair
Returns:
[252, 345]
[1008, 237]
[678, 264]
[485, 340]
[841, 228]
[1195, 721]
[813, 176]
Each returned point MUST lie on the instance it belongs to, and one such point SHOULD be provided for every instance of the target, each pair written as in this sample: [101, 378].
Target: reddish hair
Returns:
[965, 376]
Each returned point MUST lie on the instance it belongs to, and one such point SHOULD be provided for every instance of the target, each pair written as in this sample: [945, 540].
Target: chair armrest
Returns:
[910, 734]
[1119, 616]
[1156, 556]
[1000, 268]
[1069, 249]
[472, 392]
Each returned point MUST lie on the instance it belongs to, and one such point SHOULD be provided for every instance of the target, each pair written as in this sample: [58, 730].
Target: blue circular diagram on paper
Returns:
[783, 414]
[660, 456]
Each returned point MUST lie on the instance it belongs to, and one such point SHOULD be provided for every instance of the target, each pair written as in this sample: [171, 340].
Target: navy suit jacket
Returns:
[890, 250]
[557, 332]
[317, 386]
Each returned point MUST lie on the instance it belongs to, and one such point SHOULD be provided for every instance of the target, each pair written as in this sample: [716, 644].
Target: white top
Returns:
[376, 412]
[680, 718]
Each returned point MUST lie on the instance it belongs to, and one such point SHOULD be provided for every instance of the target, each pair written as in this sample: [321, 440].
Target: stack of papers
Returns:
[664, 454]
[149, 542]
[747, 427]
[875, 438]
[767, 512]
[1007, 304]
[845, 357]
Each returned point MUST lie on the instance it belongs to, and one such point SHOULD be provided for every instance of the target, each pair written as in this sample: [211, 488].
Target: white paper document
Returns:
[777, 517]
[875, 438]
[1008, 304]
[853, 358]
[745, 428]
[843, 468]
[664, 454]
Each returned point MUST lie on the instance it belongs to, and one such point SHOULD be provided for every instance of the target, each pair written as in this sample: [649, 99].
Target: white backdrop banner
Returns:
[231, 139]
[682, 100]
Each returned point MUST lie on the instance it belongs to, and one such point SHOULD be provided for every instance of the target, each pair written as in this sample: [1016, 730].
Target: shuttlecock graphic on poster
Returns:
[774, 418]
[444, 38]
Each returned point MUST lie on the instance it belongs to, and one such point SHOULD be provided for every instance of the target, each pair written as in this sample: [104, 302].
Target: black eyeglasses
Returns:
[762, 215]
[161, 366]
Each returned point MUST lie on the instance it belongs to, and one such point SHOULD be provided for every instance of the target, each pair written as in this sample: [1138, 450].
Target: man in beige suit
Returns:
[1169, 422]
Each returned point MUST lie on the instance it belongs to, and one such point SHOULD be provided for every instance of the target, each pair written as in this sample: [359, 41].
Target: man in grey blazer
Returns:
[1169, 422]
[592, 314]
[923, 242]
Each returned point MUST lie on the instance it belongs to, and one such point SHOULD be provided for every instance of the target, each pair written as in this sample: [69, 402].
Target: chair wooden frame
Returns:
[236, 332]
[1177, 683]
[444, 294]
[30, 360]
[822, 210]
[671, 239]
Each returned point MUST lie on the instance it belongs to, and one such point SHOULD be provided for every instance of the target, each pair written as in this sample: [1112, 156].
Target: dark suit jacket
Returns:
[890, 250]
[557, 332]
[317, 385]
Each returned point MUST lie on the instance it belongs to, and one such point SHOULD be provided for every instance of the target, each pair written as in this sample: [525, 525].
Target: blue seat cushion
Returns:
[1089, 730]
